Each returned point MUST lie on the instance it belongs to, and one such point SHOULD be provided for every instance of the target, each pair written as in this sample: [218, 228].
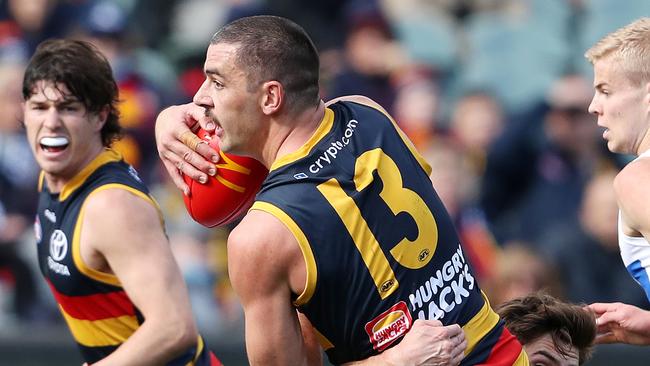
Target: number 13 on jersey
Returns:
[413, 254]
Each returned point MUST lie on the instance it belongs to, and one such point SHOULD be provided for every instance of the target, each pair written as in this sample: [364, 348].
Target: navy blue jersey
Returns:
[96, 308]
[379, 246]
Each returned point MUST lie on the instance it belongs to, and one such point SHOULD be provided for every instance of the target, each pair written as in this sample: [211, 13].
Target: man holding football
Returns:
[346, 229]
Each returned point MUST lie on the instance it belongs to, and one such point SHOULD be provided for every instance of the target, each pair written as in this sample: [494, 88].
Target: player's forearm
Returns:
[153, 344]
[264, 350]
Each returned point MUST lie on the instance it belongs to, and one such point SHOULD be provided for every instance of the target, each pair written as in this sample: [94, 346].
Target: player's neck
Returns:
[644, 146]
[57, 180]
[294, 133]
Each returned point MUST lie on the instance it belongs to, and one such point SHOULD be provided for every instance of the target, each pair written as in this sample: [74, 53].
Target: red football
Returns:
[229, 194]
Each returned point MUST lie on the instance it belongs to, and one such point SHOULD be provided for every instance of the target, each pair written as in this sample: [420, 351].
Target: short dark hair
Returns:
[535, 315]
[84, 71]
[275, 48]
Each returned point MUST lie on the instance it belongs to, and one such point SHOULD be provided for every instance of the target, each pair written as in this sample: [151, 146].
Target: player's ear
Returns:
[272, 97]
[101, 117]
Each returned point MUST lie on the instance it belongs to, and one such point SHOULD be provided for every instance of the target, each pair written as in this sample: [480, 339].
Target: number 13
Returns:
[411, 254]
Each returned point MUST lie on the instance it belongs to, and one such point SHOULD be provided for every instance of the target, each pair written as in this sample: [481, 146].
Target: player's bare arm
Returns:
[267, 267]
[262, 267]
[127, 240]
[633, 197]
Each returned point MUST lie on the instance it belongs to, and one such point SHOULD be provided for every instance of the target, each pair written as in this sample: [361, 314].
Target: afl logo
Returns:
[423, 255]
[386, 286]
[58, 245]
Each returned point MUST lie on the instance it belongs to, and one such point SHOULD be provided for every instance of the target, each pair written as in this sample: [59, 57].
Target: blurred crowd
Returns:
[494, 93]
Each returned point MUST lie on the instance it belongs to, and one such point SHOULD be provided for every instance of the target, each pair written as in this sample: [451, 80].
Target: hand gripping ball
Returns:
[229, 194]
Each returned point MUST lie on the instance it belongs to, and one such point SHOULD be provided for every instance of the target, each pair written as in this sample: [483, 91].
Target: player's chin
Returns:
[611, 145]
[617, 148]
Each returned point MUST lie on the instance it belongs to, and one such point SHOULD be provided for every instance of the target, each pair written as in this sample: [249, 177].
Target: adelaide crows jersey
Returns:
[96, 308]
[379, 247]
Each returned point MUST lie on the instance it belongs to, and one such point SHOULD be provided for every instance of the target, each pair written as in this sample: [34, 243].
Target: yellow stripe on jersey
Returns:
[105, 157]
[308, 255]
[480, 325]
[100, 333]
[323, 128]
[324, 342]
[522, 360]
[199, 349]
[41, 178]
[96, 275]
[364, 239]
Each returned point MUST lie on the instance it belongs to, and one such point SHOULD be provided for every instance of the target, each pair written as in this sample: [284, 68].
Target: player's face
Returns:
[228, 100]
[622, 108]
[542, 352]
[64, 137]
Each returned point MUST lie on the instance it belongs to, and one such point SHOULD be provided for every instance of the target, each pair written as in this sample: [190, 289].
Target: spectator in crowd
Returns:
[536, 173]
[18, 174]
[518, 271]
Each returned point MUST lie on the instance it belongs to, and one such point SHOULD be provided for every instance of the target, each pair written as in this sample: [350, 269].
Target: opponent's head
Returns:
[70, 105]
[551, 331]
[257, 67]
[621, 101]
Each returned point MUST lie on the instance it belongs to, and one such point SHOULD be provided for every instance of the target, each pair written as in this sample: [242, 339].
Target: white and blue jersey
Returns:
[635, 251]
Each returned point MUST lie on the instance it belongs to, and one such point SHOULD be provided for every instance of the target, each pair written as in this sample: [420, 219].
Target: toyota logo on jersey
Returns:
[58, 245]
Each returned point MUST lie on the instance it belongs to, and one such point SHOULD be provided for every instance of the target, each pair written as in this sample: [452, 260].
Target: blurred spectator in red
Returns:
[456, 184]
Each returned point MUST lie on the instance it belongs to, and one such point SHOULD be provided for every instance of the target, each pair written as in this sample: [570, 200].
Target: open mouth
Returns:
[54, 144]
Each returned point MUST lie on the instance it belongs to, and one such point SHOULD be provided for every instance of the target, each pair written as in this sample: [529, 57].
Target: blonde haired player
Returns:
[621, 101]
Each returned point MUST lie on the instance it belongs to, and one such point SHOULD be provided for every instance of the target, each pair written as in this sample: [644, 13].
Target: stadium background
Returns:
[493, 92]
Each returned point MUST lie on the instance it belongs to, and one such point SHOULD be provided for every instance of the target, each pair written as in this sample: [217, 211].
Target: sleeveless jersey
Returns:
[635, 251]
[96, 308]
[379, 247]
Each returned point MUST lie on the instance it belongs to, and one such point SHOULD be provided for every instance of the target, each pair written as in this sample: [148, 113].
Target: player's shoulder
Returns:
[633, 194]
[260, 247]
[115, 211]
[117, 202]
[629, 181]
[261, 237]
[259, 232]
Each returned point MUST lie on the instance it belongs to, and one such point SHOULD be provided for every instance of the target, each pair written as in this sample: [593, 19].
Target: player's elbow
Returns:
[179, 335]
[187, 336]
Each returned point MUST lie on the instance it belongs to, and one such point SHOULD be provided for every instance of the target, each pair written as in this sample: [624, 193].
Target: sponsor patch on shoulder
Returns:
[389, 326]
